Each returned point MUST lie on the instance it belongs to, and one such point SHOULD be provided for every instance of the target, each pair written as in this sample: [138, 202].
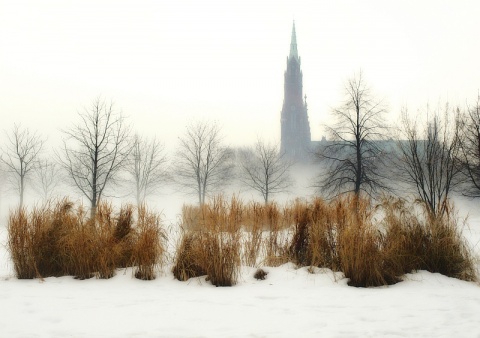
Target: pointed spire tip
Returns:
[293, 43]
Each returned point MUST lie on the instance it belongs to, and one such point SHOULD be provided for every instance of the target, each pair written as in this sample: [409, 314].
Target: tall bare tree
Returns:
[429, 158]
[21, 156]
[48, 177]
[146, 167]
[202, 162]
[470, 148]
[95, 149]
[265, 169]
[353, 156]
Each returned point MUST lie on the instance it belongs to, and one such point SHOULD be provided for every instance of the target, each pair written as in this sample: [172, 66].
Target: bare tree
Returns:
[48, 176]
[202, 162]
[146, 167]
[265, 169]
[429, 158]
[470, 149]
[354, 155]
[21, 157]
[95, 150]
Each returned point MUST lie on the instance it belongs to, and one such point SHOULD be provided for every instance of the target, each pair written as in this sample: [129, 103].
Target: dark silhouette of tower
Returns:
[295, 127]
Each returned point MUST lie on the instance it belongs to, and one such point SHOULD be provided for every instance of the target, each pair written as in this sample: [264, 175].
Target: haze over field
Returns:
[166, 62]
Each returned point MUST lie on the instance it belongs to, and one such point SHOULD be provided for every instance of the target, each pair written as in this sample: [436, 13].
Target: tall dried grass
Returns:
[371, 245]
[20, 244]
[149, 244]
[278, 223]
[211, 244]
[58, 239]
[190, 256]
[344, 236]
[421, 241]
[252, 237]
[339, 235]
[360, 244]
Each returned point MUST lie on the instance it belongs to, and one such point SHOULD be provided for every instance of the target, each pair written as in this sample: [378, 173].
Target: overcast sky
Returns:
[165, 63]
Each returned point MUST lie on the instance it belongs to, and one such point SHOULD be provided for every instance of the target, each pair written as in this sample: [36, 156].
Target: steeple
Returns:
[293, 44]
[295, 127]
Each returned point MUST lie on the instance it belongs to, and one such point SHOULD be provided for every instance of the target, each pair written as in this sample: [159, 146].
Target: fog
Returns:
[166, 63]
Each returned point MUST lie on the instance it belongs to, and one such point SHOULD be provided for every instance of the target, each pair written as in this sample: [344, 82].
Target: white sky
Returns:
[165, 63]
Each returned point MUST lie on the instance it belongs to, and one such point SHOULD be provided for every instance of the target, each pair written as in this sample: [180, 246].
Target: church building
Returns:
[295, 127]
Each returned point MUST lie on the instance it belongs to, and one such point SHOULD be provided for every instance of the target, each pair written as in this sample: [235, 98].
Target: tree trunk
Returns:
[22, 189]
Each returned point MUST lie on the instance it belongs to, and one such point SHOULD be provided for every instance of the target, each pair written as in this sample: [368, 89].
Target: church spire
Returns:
[293, 43]
[295, 127]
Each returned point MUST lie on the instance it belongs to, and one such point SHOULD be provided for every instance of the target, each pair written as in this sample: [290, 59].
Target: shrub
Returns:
[260, 274]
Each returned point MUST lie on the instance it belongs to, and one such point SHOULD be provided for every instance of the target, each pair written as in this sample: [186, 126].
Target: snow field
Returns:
[291, 302]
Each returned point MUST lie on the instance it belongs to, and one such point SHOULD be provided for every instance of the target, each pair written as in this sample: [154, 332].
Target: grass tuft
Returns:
[210, 243]
[59, 239]
[149, 244]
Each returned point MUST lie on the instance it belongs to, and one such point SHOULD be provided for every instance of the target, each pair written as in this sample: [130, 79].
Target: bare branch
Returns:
[202, 163]
[265, 169]
[469, 155]
[428, 158]
[146, 167]
[354, 155]
[95, 150]
[48, 177]
[21, 157]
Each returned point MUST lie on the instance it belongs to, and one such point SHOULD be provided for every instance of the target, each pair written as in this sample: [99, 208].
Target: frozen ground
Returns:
[289, 303]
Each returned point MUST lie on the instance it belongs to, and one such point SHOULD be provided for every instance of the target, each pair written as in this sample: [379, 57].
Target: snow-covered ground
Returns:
[289, 303]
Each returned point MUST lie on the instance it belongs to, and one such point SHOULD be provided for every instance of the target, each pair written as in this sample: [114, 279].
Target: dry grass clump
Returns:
[20, 244]
[124, 237]
[447, 252]
[422, 241]
[339, 235]
[190, 256]
[148, 245]
[322, 236]
[58, 239]
[278, 223]
[343, 235]
[212, 245]
[252, 237]
[260, 218]
[360, 245]
[317, 226]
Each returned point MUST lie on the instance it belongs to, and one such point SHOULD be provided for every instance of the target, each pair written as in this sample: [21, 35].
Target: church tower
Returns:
[295, 127]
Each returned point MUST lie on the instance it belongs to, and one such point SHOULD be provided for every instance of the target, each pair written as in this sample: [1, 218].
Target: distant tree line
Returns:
[100, 155]
[429, 158]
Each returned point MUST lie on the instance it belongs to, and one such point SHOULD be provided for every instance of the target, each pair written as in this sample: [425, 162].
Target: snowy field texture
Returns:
[291, 302]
